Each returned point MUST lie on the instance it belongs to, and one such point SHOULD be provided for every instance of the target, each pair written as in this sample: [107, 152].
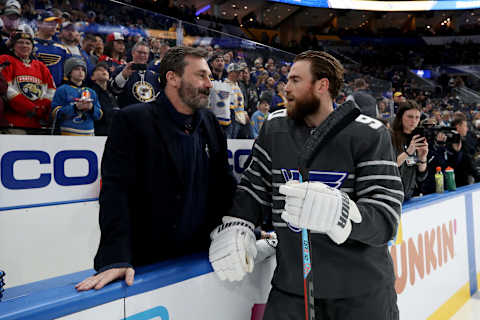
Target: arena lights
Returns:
[202, 10]
[373, 5]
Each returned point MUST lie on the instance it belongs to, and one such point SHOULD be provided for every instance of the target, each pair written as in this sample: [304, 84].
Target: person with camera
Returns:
[133, 83]
[411, 148]
[462, 153]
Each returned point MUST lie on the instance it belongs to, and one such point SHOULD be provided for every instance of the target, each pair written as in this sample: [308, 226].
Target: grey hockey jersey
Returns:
[359, 160]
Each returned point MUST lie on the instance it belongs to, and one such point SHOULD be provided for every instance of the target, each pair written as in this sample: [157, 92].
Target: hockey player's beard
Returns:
[303, 107]
[195, 98]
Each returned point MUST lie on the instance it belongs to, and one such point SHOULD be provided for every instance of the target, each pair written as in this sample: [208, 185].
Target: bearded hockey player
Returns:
[351, 202]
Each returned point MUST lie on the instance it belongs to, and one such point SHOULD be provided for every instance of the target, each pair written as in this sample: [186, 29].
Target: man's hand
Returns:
[100, 280]
[127, 71]
[318, 207]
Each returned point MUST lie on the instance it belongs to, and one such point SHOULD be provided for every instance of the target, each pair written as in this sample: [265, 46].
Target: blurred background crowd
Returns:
[67, 66]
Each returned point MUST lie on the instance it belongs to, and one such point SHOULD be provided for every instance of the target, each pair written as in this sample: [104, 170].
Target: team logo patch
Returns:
[143, 91]
[223, 94]
[330, 178]
[30, 86]
[49, 59]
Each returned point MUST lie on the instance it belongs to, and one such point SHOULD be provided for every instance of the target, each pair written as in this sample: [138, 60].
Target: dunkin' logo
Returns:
[421, 255]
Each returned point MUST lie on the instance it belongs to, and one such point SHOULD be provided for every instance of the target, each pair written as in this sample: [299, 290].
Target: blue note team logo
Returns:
[330, 178]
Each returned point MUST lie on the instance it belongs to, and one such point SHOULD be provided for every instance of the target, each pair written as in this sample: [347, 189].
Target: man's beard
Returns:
[303, 107]
[192, 96]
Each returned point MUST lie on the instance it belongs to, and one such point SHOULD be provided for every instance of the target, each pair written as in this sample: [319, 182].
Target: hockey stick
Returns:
[334, 123]
[307, 273]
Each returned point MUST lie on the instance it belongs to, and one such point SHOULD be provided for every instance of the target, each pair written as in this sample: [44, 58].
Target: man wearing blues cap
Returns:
[50, 52]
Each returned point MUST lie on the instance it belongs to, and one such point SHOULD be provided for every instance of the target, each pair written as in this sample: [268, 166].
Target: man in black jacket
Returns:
[99, 83]
[166, 178]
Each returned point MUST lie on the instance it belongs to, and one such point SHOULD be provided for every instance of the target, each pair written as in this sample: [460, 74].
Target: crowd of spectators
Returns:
[90, 74]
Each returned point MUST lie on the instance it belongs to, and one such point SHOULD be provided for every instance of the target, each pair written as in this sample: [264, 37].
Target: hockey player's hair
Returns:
[398, 137]
[174, 60]
[324, 65]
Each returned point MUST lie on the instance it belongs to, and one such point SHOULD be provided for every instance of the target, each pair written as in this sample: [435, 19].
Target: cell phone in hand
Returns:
[419, 130]
[139, 66]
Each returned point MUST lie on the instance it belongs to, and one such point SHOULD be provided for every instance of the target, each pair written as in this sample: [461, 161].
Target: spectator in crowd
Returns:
[269, 86]
[70, 38]
[397, 99]
[465, 172]
[30, 85]
[248, 89]
[189, 159]
[279, 101]
[114, 51]
[98, 50]
[158, 52]
[411, 150]
[133, 83]
[47, 50]
[75, 108]
[221, 94]
[88, 45]
[10, 20]
[3, 92]
[364, 100]
[217, 65]
[259, 116]
[108, 103]
[240, 121]
[284, 73]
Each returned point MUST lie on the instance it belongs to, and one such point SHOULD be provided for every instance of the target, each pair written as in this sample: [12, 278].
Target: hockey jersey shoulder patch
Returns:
[277, 114]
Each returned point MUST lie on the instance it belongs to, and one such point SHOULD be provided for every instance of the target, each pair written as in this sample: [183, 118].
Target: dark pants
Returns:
[380, 304]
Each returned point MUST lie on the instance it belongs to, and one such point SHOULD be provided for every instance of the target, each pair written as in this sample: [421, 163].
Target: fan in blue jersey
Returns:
[47, 50]
[133, 83]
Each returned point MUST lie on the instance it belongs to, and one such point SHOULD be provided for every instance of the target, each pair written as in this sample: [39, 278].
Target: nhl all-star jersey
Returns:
[358, 160]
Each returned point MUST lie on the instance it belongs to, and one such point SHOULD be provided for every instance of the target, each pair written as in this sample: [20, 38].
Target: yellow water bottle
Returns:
[439, 180]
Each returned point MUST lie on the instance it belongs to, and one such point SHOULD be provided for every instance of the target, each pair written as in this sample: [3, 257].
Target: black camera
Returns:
[430, 133]
[139, 66]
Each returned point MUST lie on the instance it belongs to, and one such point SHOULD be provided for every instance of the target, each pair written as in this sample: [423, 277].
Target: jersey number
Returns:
[372, 123]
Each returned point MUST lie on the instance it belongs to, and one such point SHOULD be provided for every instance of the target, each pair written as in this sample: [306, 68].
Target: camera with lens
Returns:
[139, 66]
[430, 132]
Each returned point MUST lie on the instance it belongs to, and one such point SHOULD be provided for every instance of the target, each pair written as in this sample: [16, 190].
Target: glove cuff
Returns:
[229, 221]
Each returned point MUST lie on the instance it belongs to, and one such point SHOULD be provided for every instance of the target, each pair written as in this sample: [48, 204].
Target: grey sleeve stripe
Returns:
[255, 196]
[262, 151]
[279, 224]
[257, 174]
[262, 165]
[385, 197]
[380, 203]
[377, 163]
[277, 211]
[351, 176]
[278, 184]
[276, 171]
[346, 189]
[280, 197]
[256, 187]
[367, 190]
[379, 177]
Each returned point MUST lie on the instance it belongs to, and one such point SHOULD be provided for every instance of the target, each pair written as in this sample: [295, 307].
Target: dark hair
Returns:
[359, 83]
[101, 64]
[398, 137]
[174, 60]
[457, 120]
[90, 37]
[324, 65]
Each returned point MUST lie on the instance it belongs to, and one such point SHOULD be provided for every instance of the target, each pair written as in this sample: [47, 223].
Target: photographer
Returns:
[411, 148]
[463, 165]
[133, 83]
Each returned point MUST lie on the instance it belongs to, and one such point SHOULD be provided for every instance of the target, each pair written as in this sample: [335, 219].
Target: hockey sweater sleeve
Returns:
[253, 198]
[378, 191]
[97, 112]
